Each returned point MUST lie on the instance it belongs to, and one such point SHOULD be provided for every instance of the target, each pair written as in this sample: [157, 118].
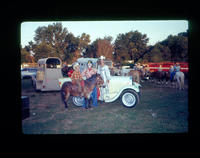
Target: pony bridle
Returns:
[99, 83]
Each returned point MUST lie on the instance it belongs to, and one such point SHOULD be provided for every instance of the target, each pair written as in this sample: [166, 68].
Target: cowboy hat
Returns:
[75, 65]
[101, 57]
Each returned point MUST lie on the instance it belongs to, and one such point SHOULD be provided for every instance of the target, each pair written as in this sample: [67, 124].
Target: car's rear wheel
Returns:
[129, 98]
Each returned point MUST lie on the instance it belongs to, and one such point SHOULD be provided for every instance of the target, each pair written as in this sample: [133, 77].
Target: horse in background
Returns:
[115, 71]
[135, 75]
[179, 78]
[139, 75]
[158, 76]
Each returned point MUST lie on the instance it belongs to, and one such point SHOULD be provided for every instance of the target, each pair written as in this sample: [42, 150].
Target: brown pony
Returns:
[68, 89]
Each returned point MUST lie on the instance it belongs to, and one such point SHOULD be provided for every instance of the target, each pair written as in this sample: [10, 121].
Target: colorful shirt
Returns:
[76, 76]
[89, 72]
[178, 68]
[171, 69]
[70, 73]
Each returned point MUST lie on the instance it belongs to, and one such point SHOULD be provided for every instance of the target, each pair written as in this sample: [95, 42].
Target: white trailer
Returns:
[48, 73]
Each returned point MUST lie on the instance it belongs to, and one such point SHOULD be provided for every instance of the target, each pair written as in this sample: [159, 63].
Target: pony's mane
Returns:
[91, 78]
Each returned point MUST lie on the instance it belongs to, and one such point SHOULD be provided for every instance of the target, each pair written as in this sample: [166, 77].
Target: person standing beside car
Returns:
[104, 71]
[88, 72]
[77, 78]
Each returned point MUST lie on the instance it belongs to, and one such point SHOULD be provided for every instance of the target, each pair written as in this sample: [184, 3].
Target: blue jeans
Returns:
[93, 97]
[172, 75]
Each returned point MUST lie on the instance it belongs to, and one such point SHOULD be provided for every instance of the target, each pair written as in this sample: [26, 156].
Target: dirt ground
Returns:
[160, 110]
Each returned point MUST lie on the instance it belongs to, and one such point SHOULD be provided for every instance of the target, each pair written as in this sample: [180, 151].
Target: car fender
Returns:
[133, 87]
[63, 80]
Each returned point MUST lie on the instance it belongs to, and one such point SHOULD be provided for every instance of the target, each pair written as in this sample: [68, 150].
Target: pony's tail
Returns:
[63, 93]
[182, 81]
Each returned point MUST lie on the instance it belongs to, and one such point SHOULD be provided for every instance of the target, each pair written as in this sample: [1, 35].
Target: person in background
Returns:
[160, 68]
[88, 72]
[64, 69]
[178, 68]
[70, 71]
[139, 66]
[171, 71]
[104, 71]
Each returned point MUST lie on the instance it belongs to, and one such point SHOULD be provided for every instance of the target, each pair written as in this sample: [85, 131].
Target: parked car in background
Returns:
[28, 73]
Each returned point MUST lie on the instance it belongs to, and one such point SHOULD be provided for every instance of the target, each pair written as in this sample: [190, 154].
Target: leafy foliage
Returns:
[56, 41]
[130, 46]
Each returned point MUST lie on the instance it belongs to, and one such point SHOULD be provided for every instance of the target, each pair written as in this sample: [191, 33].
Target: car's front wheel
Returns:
[129, 98]
[78, 101]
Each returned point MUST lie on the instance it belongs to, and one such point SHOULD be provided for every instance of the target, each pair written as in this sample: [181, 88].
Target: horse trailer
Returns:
[48, 73]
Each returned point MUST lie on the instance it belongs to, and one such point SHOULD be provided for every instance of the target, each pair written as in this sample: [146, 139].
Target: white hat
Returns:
[101, 57]
[75, 65]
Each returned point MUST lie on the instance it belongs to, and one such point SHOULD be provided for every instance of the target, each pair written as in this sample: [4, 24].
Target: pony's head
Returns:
[100, 81]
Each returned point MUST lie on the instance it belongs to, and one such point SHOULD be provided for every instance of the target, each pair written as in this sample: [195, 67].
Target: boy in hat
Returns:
[77, 77]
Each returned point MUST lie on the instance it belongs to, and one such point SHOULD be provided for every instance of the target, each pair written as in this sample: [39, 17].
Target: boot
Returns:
[86, 103]
[89, 103]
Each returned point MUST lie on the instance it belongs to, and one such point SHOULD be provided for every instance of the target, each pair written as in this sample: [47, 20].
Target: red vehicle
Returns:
[166, 66]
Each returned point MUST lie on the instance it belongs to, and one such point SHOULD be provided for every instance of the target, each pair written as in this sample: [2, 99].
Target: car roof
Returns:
[85, 60]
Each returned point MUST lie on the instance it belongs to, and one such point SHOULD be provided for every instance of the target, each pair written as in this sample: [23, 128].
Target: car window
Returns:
[53, 63]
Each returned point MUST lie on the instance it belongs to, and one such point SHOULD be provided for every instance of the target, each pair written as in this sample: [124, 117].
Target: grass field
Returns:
[161, 110]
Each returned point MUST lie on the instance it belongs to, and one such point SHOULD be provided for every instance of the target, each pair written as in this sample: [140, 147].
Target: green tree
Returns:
[156, 54]
[178, 46]
[84, 40]
[72, 47]
[44, 50]
[105, 48]
[130, 46]
[26, 56]
[49, 39]
[100, 47]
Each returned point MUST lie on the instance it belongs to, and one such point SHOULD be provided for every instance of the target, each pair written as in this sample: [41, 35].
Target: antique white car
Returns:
[120, 87]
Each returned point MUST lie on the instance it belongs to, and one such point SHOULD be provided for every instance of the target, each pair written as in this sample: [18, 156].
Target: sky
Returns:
[156, 30]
